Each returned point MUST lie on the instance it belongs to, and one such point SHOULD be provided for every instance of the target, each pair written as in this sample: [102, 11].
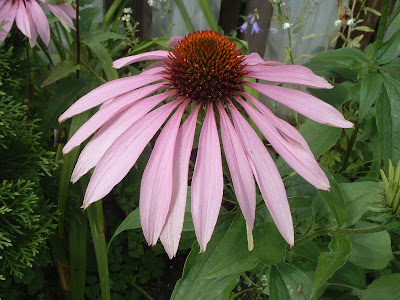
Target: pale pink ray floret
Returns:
[134, 108]
[31, 19]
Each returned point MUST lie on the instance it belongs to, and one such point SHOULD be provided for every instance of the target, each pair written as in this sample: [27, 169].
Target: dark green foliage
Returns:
[27, 219]
[27, 222]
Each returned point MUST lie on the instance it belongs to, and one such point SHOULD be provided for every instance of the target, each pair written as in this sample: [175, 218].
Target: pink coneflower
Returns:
[203, 71]
[31, 19]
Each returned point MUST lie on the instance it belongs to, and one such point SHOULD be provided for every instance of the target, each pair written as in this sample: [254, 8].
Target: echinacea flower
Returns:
[31, 19]
[203, 71]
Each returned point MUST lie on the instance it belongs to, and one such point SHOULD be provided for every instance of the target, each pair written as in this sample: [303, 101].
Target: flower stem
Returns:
[350, 147]
[342, 231]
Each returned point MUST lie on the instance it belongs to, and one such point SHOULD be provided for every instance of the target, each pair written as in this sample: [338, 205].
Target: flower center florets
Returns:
[205, 66]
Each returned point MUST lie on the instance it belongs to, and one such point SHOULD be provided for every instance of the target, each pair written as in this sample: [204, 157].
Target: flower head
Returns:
[203, 71]
[286, 25]
[338, 23]
[128, 10]
[31, 19]
[126, 18]
[255, 28]
[243, 27]
[350, 22]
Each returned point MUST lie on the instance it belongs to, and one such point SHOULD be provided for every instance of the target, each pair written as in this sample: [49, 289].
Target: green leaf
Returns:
[328, 263]
[370, 89]
[388, 51]
[288, 282]
[132, 221]
[60, 70]
[344, 62]
[232, 255]
[388, 119]
[96, 221]
[100, 33]
[357, 197]
[149, 44]
[197, 266]
[371, 251]
[208, 14]
[105, 59]
[384, 288]
[335, 201]
[364, 28]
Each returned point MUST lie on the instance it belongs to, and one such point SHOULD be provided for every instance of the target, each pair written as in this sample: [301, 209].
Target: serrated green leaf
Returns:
[370, 90]
[358, 196]
[288, 282]
[328, 263]
[60, 70]
[334, 199]
[232, 255]
[197, 266]
[371, 251]
[384, 288]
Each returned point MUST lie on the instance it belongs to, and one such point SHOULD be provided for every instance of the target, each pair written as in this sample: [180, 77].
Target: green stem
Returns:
[382, 24]
[342, 231]
[140, 289]
[111, 12]
[290, 47]
[350, 147]
[184, 15]
[95, 215]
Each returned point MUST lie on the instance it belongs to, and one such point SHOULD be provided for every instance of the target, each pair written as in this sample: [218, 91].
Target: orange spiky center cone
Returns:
[205, 67]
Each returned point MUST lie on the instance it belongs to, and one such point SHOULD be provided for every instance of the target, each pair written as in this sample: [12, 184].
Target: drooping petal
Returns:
[299, 159]
[151, 71]
[152, 55]
[255, 59]
[207, 182]
[105, 137]
[304, 103]
[22, 20]
[107, 112]
[69, 10]
[267, 176]
[291, 74]
[7, 15]
[107, 91]
[39, 20]
[171, 233]
[156, 185]
[239, 168]
[60, 13]
[282, 126]
[124, 152]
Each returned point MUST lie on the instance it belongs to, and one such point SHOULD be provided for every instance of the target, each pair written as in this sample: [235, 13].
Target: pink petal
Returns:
[242, 176]
[152, 55]
[69, 10]
[291, 74]
[159, 63]
[124, 152]
[301, 161]
[22, 20]
[7, 14]
[174, 40]
[107, 91]
[107, 112]
[207, 182]
[171, 233]
[157, 70]
[107, 134]
[284, 128]
[156, 186]
[304, 103]
[39, 20]
[267, 176]
[255, 59]
[59, 12]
